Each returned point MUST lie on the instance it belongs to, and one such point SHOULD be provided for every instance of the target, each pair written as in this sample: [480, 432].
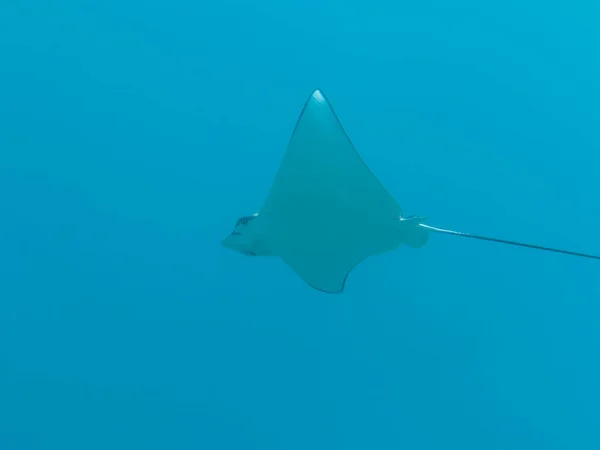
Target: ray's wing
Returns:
[321, 166]
[326, 210]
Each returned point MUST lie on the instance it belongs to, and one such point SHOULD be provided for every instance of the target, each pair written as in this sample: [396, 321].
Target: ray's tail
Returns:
[503, 241]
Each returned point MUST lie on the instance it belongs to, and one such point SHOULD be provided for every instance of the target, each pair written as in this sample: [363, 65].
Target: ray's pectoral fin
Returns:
[322, 258]
[323, 272]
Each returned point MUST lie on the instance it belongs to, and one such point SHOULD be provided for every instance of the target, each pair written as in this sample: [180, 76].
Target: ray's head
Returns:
[243, 237]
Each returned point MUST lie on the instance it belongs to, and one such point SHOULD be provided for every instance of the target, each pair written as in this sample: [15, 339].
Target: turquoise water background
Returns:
[134, 134]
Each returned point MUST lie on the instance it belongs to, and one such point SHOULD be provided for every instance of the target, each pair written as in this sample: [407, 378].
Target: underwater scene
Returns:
[266, 225]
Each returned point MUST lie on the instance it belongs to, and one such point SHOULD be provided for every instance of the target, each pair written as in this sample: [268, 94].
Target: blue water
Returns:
[134, 134]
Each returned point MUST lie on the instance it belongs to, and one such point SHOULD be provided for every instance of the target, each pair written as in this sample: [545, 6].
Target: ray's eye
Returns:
[244, 220]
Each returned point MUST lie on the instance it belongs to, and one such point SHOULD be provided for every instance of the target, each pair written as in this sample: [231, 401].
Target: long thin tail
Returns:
[502, 241]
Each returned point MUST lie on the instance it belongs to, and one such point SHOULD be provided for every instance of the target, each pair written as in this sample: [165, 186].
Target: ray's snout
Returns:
[239, 242]
[229, 241]
[225, 242]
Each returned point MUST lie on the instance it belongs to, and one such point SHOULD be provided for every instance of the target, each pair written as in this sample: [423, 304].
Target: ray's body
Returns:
[326, 212]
